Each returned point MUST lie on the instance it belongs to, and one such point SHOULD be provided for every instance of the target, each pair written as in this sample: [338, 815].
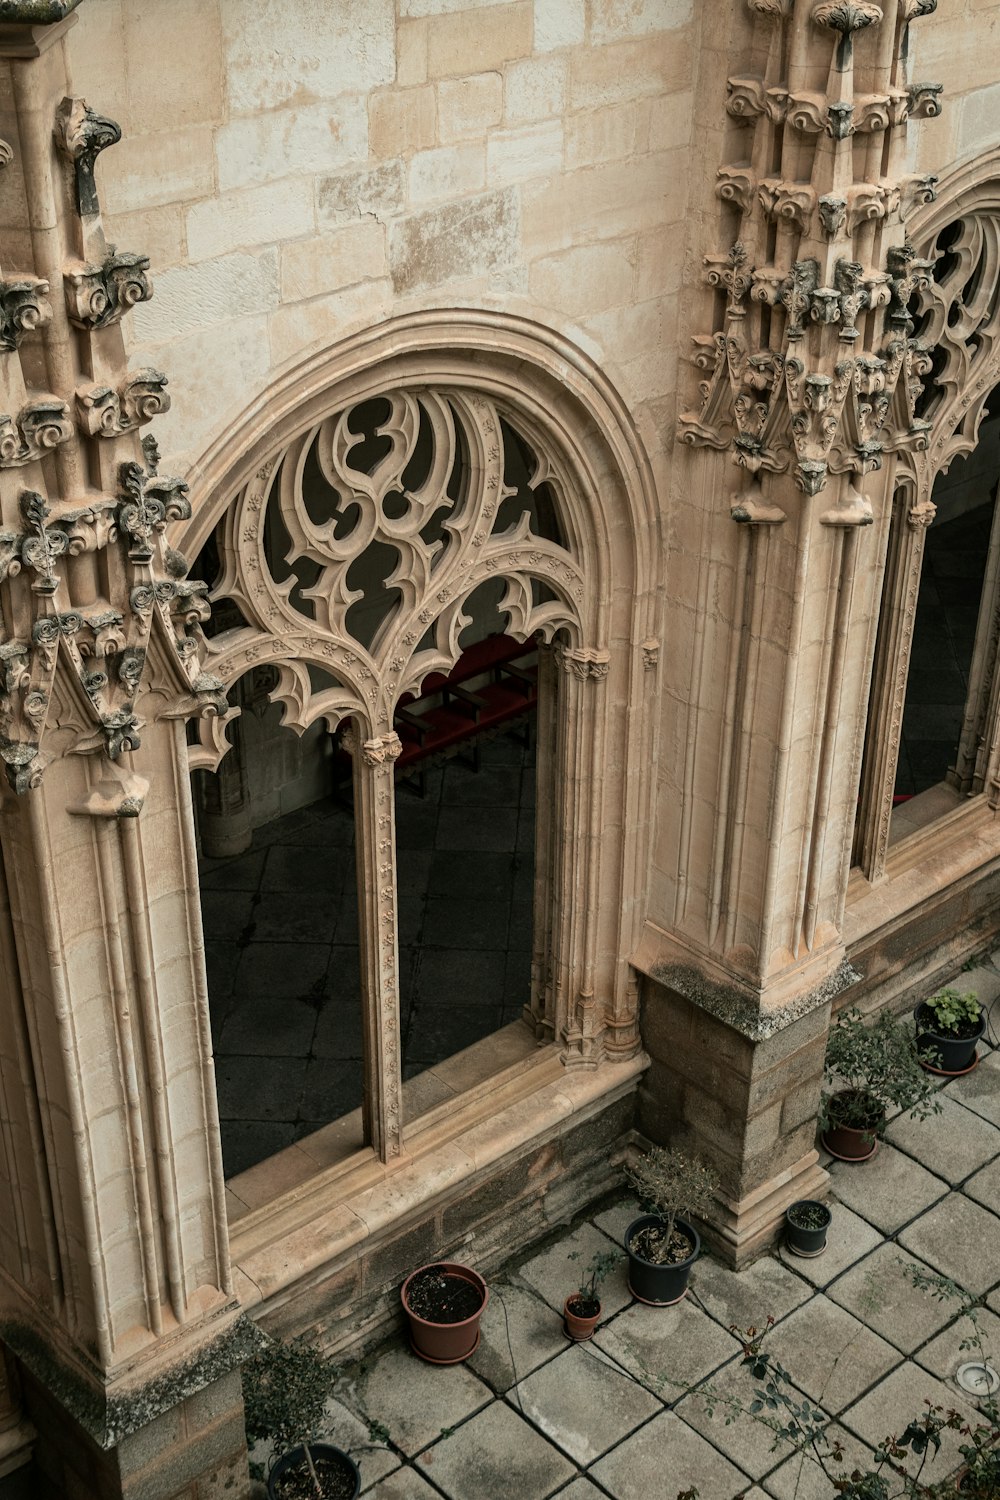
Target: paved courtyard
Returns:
[625, 1416]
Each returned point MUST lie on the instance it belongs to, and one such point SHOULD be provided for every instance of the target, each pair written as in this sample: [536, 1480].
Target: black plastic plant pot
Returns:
[805, 1241]
[659, 1285]
[941, 1053]
[295, 1461]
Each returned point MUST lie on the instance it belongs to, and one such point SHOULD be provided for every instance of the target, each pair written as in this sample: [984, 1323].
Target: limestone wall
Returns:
[299, 170]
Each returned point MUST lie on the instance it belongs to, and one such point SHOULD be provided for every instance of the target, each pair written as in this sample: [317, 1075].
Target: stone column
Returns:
[375, 824]
[116, 1296]
[810, 389]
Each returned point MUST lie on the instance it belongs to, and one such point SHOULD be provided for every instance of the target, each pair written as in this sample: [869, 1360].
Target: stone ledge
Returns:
[274, 1269]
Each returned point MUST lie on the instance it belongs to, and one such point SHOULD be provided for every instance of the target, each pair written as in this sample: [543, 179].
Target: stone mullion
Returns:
[565, 864]
[980, 705]
[546, 794]
[375, 833]
[885, 714]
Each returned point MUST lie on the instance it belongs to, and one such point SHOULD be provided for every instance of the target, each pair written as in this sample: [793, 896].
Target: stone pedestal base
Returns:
[194, 1451]
[745, 1103]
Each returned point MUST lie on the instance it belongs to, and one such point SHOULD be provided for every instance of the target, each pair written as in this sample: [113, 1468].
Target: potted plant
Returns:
[285, 1388]
[877, 1067]
[443, 1303]
[662, 1245]
[582, 1308]
[806, 1225]
[948, 1027]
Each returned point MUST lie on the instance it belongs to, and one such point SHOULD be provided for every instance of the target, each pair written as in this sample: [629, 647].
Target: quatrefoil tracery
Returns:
[422, 476]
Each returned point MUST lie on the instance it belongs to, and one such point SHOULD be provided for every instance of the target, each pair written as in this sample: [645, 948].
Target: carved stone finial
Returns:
[82, 134]
[847, 16]
[832, 213]
[149, 502]
[43, 545]
[97, 296]
[22, 309]
[911, 9]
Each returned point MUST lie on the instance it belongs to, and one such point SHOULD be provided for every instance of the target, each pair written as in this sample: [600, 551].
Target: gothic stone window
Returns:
[933, 731]
[359, 561]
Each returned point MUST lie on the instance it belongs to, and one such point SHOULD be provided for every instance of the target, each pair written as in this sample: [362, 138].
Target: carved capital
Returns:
[788, 202]
[585, 664]
[104, 412]
[868, 201]
[911, 9]
[97, 296]
[23, 309]
[872, 112]
[852, 508]
[924, 100]
[381, 750]
[746, 97]
[770, 7]
[82, 135]
[921, 513]
[735, 185]
[916, 189]
[750, 507]
[846, 16]
[807, 112]
[41, 425]
[650, 653]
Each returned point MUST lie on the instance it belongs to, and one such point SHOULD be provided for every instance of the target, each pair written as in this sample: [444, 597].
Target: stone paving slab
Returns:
[581, 1489]
[943, 1355]
[413, 1399]
[849, 1238]
[879, 1292]
[953, 1144]
[829, 1354]
[583, 1404]
[750, 1444]
[896, 1401]
[663, 1457]
[980, 1090]
[614, 1221]
[556, 1274]
[403, 1485]
[802, 1478]
[667, 1348]
[763, 1289]
[889, 1190]
[535, 1331]
[958, 1238]
[985, 1186]
[496, 1453]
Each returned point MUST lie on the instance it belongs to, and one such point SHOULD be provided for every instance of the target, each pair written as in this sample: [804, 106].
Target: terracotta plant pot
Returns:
[944, 1053]
[659, 1285]
[295, 1459]
[852, 1142]
[577, 1327]
[801, 1240]
[445, 1343]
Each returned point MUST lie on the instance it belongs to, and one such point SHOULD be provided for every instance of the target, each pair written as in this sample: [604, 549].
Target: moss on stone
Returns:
[37, 12]
[733, 1006]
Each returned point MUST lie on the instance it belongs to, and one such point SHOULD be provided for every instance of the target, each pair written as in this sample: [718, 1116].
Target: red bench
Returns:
[448, 715]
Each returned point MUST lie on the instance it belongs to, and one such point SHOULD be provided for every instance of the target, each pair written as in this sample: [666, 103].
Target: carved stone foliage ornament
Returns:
[104, 645]
[105, 412]
[815, 370]
[40, 426]
[405, 519]
[97, 296]
[23, 309]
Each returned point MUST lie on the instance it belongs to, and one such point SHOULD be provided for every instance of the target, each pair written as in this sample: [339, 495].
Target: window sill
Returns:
[308, 1228]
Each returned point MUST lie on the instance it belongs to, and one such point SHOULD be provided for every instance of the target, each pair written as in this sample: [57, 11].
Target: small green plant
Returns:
[953, 1012]
[599, 1267]
[285, 1388]
[672, 1185]
[875, 1067]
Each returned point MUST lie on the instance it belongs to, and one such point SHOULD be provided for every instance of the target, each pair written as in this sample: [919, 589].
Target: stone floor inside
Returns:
[281, 935]
[626, 1417]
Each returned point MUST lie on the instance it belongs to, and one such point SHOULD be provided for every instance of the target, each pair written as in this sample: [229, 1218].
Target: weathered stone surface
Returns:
[312, 138]
[397, 1390]
[829, 1354]
[879, 1292]
[494, 1453]
[377, 191]
[889, 1190]
[580, 1381]
[802, 1478]
[664, 1457]
[472, 238]
[534, 1331]
[895, 1402]
[984, 1186]
[559, 23]
[954, 1237]
[952, 1144]
[535, 88]
[980, 1090]
[849, 1238]
[476, 41]
[764, 1289]
[750, 1444]
[324, 51]
[557, 1272]
[667, 1348]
